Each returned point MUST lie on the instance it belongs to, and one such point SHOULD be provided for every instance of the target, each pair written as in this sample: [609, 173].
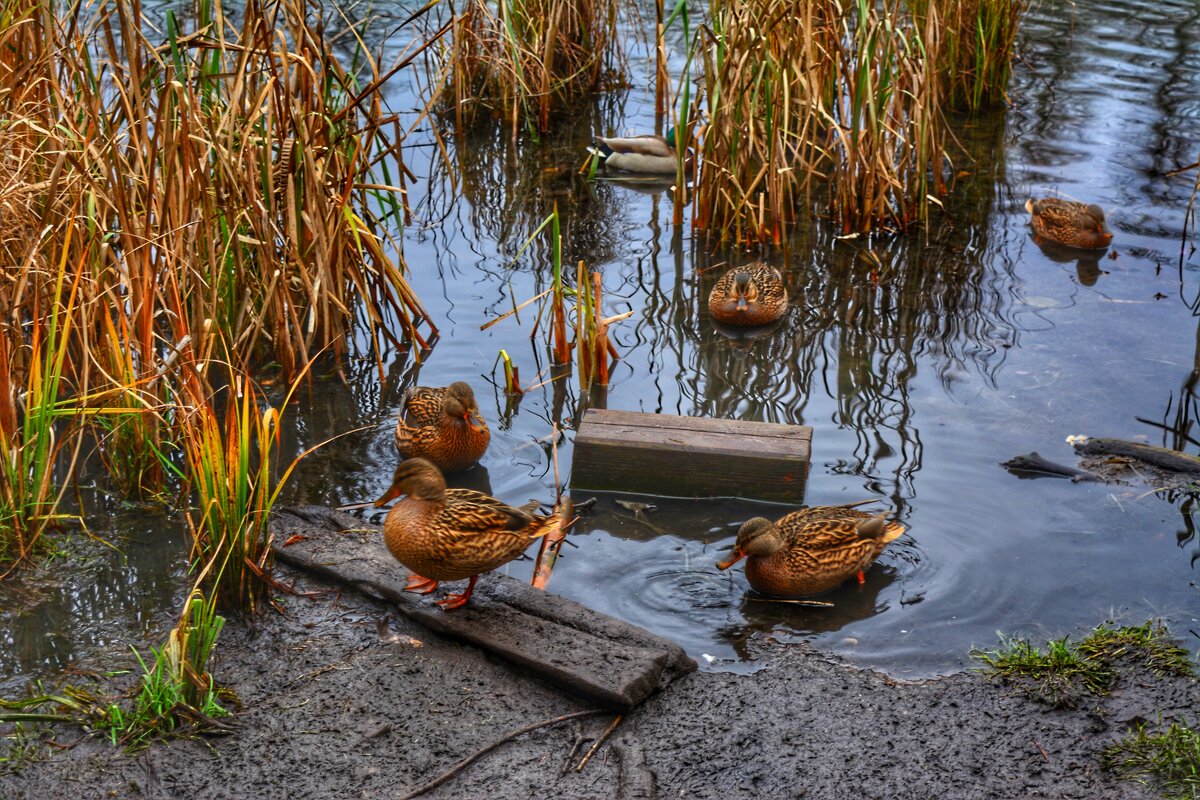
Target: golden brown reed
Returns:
[522, 60]
[206, 200]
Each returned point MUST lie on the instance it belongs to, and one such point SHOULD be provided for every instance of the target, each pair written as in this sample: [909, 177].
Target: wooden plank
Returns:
[673, 422]
[691, 456]
[583, 651]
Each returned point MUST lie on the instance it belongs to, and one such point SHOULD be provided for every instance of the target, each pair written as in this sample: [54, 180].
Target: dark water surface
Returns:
[920, 363]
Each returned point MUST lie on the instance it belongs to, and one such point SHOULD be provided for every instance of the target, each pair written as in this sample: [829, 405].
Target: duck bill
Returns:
[737, 555]
[391, 494]
[742, 305]
[474, 421]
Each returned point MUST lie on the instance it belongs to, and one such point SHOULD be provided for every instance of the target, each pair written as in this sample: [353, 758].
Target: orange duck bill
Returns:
[474, 421]
[737, 555]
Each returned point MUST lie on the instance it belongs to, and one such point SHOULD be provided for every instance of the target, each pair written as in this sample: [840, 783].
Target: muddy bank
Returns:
[344, 697]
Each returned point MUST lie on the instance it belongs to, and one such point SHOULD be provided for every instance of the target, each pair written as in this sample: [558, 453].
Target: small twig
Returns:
[813, 603]
[612, 726]
[466, 762]
[1041, 750]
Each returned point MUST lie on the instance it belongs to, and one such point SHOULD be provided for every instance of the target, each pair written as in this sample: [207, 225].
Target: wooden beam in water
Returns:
[628, 451]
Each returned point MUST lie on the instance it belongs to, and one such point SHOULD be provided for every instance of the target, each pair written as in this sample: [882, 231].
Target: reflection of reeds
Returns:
[524, 59]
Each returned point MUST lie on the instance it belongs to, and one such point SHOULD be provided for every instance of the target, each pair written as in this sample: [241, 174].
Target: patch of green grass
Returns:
[1171, 758]
[1150, 644]
[1063, 673]
[20, 746]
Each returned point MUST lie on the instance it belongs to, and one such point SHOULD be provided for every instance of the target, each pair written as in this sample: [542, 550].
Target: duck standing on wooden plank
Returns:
[443, 534]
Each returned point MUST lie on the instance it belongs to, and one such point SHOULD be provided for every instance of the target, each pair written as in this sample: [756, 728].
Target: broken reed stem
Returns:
[564, 510]
[596, 745]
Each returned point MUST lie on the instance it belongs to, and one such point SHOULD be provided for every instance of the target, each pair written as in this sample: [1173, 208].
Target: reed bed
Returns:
[766, 73]
[210, 198]
[837, 107]
[524, 60]
[978, 44]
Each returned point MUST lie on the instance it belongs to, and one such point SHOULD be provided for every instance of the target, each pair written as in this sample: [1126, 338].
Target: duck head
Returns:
[756, 537]
[416, 478]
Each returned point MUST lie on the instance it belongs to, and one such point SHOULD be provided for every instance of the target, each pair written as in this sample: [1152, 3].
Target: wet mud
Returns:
[345, 697]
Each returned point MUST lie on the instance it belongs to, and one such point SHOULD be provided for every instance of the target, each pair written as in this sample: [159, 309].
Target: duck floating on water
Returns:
[750, 295]
[648, 154]
[442, 425]
[812, 550]
[1069, 223]
[443, 534]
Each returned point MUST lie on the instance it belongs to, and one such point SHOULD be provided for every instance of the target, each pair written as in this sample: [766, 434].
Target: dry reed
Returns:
[209, 197]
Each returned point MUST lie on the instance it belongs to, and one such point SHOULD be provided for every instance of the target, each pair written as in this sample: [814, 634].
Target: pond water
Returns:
[920, 362]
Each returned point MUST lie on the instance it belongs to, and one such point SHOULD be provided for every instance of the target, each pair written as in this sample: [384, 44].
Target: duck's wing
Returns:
[422, 405]
[640, 145]
[473, 511]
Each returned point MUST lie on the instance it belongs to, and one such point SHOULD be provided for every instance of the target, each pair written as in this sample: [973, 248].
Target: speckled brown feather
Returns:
[822, 547]
[423, 404]
[433, 426]
[451, 534]
[765, 294]
[1069, 223]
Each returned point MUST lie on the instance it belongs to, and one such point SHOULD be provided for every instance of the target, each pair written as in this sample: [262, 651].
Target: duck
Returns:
[1069, 223]
[753, 294]
[812, 550]
[442, 425]
[648, 154]
[443, 534]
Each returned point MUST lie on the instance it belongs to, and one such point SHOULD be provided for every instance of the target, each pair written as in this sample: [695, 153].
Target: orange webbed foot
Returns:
[420, 585]
[452, 601]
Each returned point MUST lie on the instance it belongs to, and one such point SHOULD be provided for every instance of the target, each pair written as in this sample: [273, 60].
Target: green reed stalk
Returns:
[33, 436]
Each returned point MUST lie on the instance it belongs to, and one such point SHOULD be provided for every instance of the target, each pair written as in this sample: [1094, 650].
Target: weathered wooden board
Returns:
[662, 454]
[585, 652]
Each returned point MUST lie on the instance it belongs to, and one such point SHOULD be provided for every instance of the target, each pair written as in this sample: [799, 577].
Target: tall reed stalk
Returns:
[523, 60]
[767, 69]
[889, 133]
[231, 467]
[836, 107]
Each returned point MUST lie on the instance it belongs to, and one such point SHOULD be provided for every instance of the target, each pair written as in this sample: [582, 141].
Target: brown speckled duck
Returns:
[749, 295]
[445, 534]
[442, 425]
[1069, 223]
[811, 550]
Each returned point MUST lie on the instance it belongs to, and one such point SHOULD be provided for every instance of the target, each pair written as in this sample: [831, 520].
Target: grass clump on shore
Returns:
[1065, 672]
[1171, 758]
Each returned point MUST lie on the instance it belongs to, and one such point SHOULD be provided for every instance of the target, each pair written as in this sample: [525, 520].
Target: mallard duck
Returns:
[442, 425]
[749, 295]
[648, 154]
[1070, 223]
[811, 550]
[443, 534]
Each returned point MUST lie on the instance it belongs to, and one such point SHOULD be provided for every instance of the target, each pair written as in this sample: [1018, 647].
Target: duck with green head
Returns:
[648, 154]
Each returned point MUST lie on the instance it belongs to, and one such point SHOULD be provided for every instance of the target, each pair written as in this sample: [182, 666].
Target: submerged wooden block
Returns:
[628, 451]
